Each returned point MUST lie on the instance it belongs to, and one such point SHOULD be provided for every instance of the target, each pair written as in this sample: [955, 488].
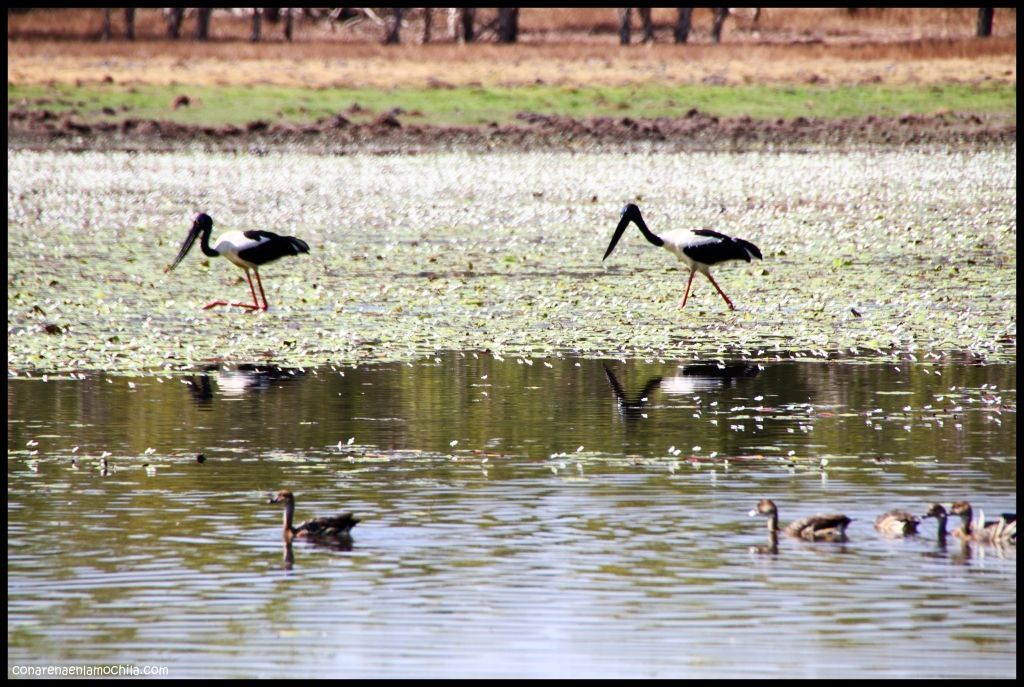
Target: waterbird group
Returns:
[895, 523]
[699, 249]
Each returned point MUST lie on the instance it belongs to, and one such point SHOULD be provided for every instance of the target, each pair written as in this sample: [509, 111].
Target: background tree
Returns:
[395, 28]
[203, 23]
[426, 24]
[647, 23]
[716, 27]
[508, 24]
[129, 23]
[105, 32]
[682, 31]
[289, 18]
[985, 15]
[257, 24]
[175, 16]
[625, 17]
[468, 14]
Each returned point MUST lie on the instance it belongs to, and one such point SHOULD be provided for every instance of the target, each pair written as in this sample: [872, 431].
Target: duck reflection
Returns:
[769, 549]
[237, 381]
[288, 552]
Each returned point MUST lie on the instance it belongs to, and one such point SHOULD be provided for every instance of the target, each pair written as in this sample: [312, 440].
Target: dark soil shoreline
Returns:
[694, 131]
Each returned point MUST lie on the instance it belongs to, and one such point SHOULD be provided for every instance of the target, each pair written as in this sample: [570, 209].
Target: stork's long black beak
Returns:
[619, 230]
[189, 240]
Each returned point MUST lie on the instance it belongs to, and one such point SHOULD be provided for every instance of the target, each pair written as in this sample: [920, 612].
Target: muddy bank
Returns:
[695, 130]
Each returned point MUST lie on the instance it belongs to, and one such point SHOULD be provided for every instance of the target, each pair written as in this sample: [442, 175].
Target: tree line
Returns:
[463, 23]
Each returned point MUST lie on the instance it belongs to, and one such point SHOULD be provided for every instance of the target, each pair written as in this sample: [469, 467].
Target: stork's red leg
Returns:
[255, 305]
[731, 306]
[262, 292]
[682, 303]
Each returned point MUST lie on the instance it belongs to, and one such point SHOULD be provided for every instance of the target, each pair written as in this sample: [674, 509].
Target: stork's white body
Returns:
[678, 241]
[231, 243]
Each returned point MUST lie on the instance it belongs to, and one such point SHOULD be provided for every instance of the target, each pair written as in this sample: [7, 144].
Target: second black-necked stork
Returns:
[247, 249]
[699, 248]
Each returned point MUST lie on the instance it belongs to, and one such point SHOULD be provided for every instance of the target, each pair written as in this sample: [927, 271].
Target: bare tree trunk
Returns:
[289, 20]
[105, 34]
[716, 28]
[426, 24]
[625, 16]
[203, 23]
[508, 24]
[175, 15]
[985, 16]
[757, 14]
[682, 32]
[468, 14]
[129, 23]
[257, 24]
[394, 30]
[647, 23]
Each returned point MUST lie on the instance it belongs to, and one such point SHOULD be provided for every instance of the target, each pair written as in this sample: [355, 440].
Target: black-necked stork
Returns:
[699, 248]
[247, 249]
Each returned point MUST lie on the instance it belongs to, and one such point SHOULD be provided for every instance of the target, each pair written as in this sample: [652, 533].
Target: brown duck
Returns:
[937, 511]
[323, 529]
[812, 528]
[1001, 531]
[897, 523]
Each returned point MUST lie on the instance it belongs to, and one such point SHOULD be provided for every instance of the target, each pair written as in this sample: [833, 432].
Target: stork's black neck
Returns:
[632, 212]
[208, 251]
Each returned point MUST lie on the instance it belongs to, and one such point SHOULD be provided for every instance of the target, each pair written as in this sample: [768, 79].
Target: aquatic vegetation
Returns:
[876, 254]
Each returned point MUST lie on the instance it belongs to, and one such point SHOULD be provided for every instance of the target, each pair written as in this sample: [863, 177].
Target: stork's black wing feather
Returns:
[710, 252]
[272, 247]
[711, 232]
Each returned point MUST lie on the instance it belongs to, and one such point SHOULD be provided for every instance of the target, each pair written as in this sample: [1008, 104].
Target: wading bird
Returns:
[699, 249]
[247, 249]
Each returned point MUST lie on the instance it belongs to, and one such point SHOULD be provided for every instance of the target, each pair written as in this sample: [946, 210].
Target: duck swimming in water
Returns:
[812, 528]
[1001, 531]
[324, 529]
[897, 523]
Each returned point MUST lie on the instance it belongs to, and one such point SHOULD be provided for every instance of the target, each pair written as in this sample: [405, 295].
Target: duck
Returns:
[324, 529]
[812, 528]
[938, 511]
[1001, 531]
[897, 523]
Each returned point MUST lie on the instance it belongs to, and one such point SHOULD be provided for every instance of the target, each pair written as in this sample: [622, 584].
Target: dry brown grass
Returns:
[559, 46]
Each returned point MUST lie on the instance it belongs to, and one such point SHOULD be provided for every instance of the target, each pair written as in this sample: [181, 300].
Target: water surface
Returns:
[548, 516]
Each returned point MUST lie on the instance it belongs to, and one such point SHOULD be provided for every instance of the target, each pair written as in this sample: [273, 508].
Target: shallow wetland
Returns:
[553, 464]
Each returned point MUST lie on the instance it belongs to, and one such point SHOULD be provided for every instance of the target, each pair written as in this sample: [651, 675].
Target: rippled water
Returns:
[541, 517]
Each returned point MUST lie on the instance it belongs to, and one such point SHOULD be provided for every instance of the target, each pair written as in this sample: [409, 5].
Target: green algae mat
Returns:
[867, 254]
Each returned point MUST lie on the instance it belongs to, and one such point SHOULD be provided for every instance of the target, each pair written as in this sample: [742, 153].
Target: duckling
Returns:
[325, 529]
[812, 528]
[897, 523]
[937, 511]
[1001, 531]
